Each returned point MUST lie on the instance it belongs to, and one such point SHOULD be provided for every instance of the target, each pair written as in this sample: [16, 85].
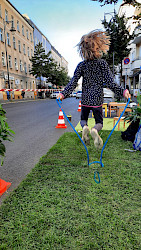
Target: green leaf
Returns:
[2, 149]
[11, 131]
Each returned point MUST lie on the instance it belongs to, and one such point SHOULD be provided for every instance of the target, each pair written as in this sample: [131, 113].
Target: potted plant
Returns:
[134, 118]
[135, 114]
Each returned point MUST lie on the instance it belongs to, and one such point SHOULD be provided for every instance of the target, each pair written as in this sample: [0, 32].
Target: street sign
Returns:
[126, 60]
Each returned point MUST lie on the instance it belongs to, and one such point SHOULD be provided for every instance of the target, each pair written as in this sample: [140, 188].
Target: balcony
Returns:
[136, 64]
[137, 39]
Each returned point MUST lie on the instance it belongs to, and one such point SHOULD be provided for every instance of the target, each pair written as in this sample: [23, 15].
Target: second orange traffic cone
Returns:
[79, 108]
[61, 122]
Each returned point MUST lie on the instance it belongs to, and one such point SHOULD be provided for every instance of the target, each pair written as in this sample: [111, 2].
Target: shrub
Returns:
[5, 133]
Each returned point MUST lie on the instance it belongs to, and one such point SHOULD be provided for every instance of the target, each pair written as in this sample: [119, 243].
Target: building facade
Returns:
[39, 37]
[64, 63]
[59, 59]
[15, 50]
[132, 71]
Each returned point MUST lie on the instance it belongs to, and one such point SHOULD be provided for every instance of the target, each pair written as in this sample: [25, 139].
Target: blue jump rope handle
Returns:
[99, 162]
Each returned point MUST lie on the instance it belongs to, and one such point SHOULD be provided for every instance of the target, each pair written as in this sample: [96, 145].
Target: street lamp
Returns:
[13, 32]
[113, 18]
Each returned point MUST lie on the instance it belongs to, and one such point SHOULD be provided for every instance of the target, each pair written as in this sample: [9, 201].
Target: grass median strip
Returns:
[107, 124]
[59, 206]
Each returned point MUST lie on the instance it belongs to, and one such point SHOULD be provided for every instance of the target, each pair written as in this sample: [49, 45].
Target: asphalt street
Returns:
[35, 133]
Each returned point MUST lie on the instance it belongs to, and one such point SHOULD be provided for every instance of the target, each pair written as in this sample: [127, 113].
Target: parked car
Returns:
[108, 93]
[73, 94]
[78, 94]
[54, 95]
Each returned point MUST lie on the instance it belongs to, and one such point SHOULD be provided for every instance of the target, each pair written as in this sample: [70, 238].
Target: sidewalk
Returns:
[19, 100]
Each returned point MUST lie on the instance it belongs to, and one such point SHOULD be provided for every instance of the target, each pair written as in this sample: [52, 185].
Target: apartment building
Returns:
[132, 70]
[136, 62]
[61, 61]
[15, 50]
[39, 37]
[64, 63]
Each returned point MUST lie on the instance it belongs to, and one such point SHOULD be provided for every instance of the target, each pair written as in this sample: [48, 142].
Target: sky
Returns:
[64, 22]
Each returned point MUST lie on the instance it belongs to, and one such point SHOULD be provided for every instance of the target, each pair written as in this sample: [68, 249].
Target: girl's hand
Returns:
[60, 96]
[127, 94]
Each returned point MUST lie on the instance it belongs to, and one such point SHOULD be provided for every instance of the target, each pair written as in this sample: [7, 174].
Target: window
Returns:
[12, 19]
[8, 39]
[35, 40]
[18, 26]
[0, 11]
[27, 35]
[44, 43]
[21, 66]
[29, 68]
[16, 64]
[1, 35]
[24, 49]
[10, 61]
[30, 36]
[28, 51]
[22, 30]
[31, 52]
[6, 15]
[19, 45]
[3, 59]
[14, 42]
[25, 68]
[133, 55]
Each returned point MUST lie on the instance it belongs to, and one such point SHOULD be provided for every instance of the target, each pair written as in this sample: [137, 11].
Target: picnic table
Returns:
[115, 106]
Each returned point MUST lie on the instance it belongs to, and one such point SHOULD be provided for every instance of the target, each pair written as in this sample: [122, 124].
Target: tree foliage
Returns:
[41, 62]
[120, 39]
[59, 75]
[104, 2]
[43, 65]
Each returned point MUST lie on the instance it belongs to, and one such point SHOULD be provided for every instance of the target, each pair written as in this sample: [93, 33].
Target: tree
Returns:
[120, 39]
[44, 65]
[41, 62]
[58, 76]
[133, 2]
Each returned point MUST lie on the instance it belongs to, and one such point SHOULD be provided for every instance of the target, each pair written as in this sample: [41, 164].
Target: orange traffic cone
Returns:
[4, 186]
[79, 108]
[61, 122]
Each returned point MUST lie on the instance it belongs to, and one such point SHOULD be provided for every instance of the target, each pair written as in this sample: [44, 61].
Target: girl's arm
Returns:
[72, 84]
[109, 80]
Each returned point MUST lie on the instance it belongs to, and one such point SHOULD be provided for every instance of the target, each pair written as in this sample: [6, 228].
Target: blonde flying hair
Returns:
[93, 45]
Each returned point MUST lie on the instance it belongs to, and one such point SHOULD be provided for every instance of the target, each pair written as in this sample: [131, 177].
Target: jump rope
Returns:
[96, 173]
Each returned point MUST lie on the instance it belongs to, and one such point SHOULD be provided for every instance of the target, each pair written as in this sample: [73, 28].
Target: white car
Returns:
[54, 95]
[78, 94]
[73, 94]
[108, 93]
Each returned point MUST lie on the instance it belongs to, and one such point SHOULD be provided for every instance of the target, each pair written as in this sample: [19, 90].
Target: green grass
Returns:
[59, 206]
[107, 124]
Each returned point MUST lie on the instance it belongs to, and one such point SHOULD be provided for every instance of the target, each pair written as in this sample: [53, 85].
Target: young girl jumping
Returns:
[94, 72]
